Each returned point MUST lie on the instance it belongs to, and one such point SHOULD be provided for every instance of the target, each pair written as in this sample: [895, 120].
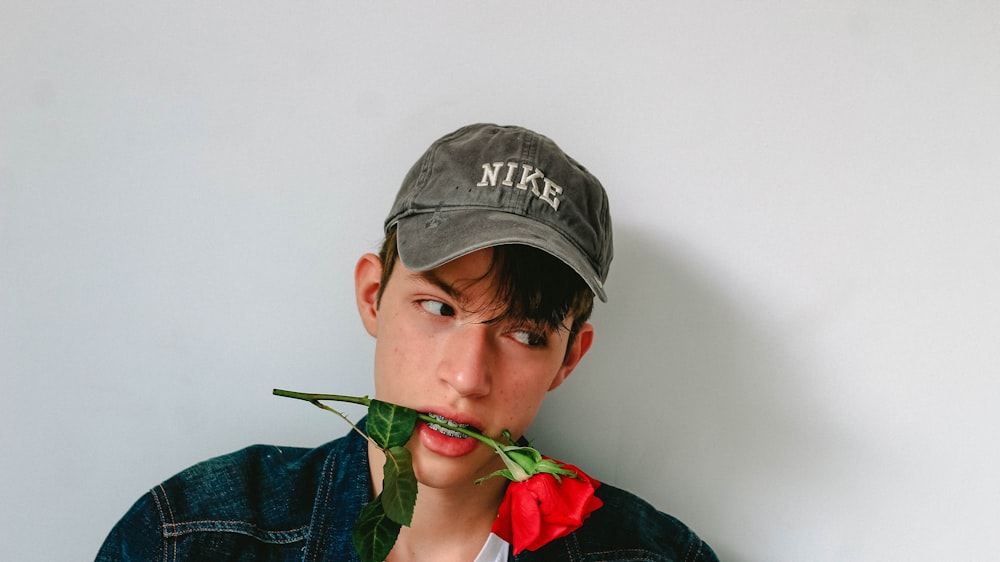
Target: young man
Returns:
[478, 301]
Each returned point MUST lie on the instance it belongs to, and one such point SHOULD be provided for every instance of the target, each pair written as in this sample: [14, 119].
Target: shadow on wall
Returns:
[685, 403]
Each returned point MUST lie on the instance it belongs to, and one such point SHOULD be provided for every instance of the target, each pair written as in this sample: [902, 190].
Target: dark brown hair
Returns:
[532, 286]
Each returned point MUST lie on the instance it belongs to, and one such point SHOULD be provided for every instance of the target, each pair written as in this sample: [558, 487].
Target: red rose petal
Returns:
[541, 509]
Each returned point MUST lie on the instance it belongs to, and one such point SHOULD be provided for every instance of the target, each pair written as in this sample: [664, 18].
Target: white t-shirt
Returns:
[495, 550]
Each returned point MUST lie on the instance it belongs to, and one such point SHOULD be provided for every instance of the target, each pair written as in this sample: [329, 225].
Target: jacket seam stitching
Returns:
[325, 486]
[694, 549]
[633, 554]
[239, 527]
[166, 519]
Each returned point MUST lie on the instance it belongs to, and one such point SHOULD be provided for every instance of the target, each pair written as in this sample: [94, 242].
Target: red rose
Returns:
[542, 508]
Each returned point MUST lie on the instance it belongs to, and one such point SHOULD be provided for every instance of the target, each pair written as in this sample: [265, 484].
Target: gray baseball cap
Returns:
[485, 185]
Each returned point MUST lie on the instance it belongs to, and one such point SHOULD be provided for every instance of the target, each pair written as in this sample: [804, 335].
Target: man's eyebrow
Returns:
[433, 278]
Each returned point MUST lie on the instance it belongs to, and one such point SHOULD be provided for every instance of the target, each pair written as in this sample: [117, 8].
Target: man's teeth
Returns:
[446, 431]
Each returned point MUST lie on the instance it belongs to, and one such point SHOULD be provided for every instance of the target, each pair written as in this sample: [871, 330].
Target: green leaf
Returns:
[399, 489]
[390, 425]
[526, 457]
[374, 534]
[555, 469]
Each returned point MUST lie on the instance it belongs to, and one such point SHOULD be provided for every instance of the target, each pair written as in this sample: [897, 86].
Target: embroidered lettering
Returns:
[490, 173]
[511, 168]
[549, 193]
[525, 178]
[530, 176]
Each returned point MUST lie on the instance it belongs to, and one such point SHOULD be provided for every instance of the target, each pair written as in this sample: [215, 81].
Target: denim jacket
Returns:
[273, 504]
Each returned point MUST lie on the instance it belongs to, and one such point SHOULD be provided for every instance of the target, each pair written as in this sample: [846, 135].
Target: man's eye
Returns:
[437, 308]
[530, 339]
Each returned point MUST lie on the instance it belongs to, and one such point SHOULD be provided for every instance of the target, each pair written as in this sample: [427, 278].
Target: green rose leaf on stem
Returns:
[390, 425]
[374, 534]
[399, 486]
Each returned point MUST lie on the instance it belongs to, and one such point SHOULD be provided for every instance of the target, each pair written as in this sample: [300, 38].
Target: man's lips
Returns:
[444, 428]
[439, 439]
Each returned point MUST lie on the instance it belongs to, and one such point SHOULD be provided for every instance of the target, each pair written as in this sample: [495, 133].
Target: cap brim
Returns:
[428, 240]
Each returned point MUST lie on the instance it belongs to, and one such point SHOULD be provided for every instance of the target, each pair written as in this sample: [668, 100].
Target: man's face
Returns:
[438, 351]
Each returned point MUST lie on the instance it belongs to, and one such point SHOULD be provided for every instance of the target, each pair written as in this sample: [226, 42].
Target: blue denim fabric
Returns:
[273, 504]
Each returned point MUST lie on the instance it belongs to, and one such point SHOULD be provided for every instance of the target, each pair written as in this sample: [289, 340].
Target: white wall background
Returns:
[800, 356]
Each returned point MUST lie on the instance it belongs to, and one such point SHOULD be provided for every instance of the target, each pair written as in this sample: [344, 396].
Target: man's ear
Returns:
[367, 281]
[581, 343]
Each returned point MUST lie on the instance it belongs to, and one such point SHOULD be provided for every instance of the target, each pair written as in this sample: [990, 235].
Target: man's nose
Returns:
[467, 367]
